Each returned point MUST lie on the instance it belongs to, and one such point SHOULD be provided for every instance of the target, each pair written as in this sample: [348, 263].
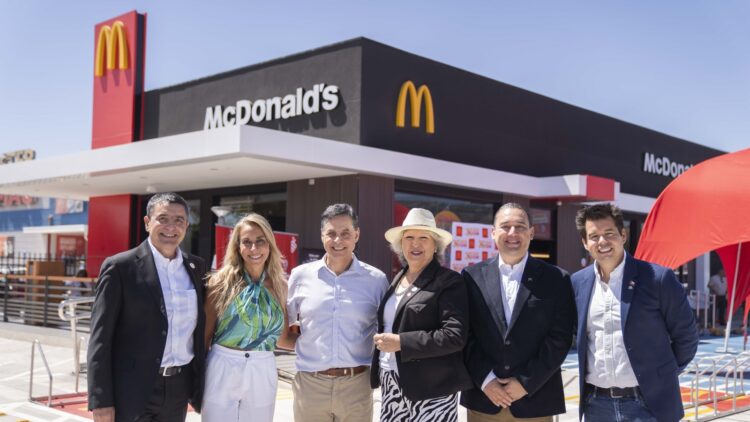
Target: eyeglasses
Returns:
[259, 244]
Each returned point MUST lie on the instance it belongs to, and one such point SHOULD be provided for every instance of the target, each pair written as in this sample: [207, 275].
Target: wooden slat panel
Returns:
[569, 247]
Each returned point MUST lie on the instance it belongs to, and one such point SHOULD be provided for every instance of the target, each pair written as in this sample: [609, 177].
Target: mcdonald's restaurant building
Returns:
[357, 122]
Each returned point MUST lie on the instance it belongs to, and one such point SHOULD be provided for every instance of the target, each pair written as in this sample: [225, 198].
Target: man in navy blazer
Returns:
[636, 331]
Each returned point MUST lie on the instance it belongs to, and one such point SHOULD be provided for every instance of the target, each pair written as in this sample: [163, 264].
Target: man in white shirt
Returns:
[717, 284]
[335, 301]
[636, 331]
[521, 314]
[146, 352]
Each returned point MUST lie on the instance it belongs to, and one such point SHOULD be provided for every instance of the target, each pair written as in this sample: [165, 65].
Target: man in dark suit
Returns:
[146, 352]
[521, 328]
[636, 331]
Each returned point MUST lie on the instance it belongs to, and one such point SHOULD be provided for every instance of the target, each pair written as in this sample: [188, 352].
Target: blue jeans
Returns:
[602, 408]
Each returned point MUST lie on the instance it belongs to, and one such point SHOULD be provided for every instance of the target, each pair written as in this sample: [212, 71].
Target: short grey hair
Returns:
[336, 210]
[440, 246]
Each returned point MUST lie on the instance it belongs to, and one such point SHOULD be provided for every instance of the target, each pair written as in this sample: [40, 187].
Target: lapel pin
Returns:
[631, 285]
[192, 265]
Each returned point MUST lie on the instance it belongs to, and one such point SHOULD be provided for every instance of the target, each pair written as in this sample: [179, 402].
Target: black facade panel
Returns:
[478, 121]
[182, 108]
[490, 124]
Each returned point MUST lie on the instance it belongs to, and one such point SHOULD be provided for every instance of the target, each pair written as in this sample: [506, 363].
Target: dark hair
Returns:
[336, 210]
[599, 212]
[512, 206]
[168, 198]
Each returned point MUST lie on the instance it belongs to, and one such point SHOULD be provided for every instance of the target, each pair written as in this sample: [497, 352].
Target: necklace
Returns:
[400, 289]
[403, 286]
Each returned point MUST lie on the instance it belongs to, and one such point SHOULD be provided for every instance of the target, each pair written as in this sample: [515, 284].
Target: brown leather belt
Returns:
[342, 372]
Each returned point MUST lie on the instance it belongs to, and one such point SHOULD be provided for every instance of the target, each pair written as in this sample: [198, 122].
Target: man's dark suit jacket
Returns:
[531, 346]
[658, 329]
[129, 331]
[432, 323]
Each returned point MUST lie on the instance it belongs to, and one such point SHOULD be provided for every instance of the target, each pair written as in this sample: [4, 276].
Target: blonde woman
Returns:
[245, 322]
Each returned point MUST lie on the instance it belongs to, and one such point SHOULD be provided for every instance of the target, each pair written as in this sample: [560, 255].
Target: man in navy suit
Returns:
[521, 319]
[636, 331]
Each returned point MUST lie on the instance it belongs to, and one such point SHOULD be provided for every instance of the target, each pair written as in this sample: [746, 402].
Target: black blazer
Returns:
[432, 322]
[128, 332]
[530, 347]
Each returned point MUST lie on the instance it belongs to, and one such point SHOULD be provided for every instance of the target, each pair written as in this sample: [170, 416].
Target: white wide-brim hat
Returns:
[418, 219]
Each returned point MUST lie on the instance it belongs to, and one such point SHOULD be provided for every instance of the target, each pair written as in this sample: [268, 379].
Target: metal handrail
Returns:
[31, 372]
[695, 383]
[67, 310]
[78, 359]
[726, 369]
[71, 304]
[49, 277]
[717, 368]
[744, 362]
[32, 299]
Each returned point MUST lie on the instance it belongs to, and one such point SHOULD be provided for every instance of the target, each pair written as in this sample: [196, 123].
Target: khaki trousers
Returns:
[322, 398]
[503, 416]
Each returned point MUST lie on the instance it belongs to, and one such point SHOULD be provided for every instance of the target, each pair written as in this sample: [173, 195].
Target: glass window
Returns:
[446, 210]
[541, 219]
[190, 242]
[272, 206]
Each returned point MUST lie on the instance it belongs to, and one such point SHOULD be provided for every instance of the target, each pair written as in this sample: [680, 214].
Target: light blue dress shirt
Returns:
[337, 314]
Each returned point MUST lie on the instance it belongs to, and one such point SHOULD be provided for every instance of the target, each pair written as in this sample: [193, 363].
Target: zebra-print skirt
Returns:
[395, 407]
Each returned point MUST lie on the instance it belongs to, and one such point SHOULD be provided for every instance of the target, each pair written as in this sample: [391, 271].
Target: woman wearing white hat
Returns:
[422, 328]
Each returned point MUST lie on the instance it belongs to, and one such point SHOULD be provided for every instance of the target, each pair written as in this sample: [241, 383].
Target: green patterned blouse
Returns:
[252, 321]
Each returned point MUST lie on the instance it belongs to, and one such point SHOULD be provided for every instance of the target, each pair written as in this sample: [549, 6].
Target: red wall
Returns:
[110, 220]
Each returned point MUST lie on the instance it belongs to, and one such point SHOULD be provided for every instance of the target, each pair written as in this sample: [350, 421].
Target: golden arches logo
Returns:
[111, 39]
[416, 97]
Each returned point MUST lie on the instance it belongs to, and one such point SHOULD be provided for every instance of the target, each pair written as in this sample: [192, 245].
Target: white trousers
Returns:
[240, 386]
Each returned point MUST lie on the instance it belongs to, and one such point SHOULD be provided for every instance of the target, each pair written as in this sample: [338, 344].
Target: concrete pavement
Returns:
[16, 343]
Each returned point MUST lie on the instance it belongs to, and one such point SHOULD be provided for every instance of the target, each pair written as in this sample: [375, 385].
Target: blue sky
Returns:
[678, 67]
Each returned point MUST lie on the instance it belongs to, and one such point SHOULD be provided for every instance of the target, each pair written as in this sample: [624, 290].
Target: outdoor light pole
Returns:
[221, 211]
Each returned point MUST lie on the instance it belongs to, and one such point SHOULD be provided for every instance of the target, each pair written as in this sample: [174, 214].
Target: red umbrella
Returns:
[705, 209]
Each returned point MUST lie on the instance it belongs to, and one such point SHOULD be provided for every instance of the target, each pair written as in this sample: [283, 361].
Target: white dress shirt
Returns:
[337, 314]
[510, 282]
[607, 362]
[510, 276]
[181, 303]
[388, 359]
